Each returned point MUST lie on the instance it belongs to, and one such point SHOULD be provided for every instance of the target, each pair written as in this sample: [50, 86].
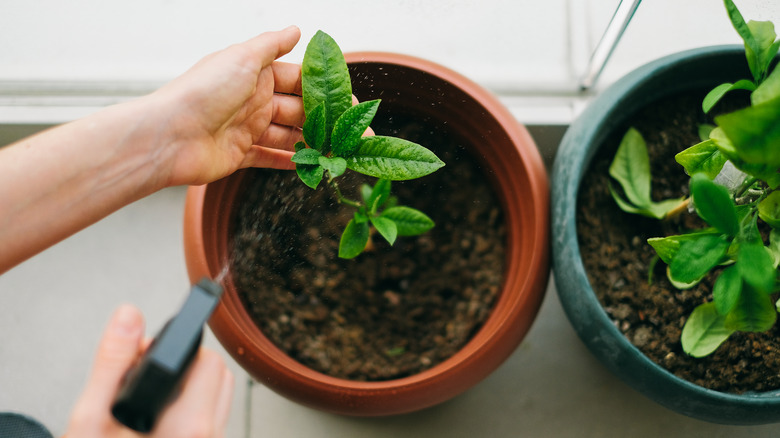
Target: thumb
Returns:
[117, 351]
[269, 46]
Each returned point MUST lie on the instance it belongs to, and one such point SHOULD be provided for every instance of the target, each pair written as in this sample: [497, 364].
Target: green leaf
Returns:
[299, 146]
[409, 222]
[752, 48]
[307, 156]
[361, 217]
[679, 284]
[704, 157]
[743, 212]
[315, 128]
[659, 210]
[393, 159]
[768, 90]
[774, 246]
[334, 165]
[704, 131]
[770, 54]
[310, 175]
[756, 266]
[713, 203]
[725, 292]
[656, 210]
[754, 312]
[764, 35]
[667, 247]
[392, 201]
[631, 168]
[325, 80]
[749, 232]
[386, 227]
[724, 143]
[365, 193]
[717, 93]
[354, 239]
[764, 172]
[696, 257]
[378, 196]
[739, 24]
[704, 331]
[627, 206]
[769, 209]
[754, 133]
[350, 127]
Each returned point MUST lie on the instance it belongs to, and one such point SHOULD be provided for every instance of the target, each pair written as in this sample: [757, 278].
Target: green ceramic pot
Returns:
[699, 68]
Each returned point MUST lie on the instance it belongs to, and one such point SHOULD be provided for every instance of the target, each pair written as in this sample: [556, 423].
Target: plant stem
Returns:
[341, 198]
[681, 208]
[748, 183]
[763, 195]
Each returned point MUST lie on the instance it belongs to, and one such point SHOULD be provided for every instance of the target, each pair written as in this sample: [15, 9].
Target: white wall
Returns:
[514, 47]
[157, 39]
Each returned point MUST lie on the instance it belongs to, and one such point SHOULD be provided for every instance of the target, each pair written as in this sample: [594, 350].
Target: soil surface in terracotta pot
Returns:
[390, 312]
[622, 268]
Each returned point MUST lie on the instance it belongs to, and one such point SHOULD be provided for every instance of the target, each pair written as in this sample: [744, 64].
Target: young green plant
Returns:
[732, 245]
[334, 141]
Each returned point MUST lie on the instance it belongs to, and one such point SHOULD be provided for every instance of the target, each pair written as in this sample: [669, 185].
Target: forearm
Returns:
[236, 108]
[62, 180]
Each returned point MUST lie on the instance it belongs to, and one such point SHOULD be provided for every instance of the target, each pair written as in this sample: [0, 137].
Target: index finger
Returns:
[287, 78]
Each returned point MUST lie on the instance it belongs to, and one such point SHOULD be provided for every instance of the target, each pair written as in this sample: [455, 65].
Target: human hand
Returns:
[202, 408]
[236, 108]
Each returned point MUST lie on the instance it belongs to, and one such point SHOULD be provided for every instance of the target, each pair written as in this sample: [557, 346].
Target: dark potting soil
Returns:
[391, 312]
[617, 259]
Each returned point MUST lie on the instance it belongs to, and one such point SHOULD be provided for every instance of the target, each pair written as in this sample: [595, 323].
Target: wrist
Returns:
[143, 143]
[178, 140]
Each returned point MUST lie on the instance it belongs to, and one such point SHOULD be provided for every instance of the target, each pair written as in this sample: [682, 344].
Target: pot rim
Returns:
[502, 324]
[574, 289]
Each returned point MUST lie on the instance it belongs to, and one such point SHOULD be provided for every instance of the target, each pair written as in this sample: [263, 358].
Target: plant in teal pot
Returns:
[665, 220]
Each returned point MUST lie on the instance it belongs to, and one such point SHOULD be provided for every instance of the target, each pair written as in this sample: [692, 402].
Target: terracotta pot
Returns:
[696, 69]
[519, 179]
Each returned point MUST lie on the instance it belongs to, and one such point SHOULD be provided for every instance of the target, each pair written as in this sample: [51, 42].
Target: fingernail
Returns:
[126, 321]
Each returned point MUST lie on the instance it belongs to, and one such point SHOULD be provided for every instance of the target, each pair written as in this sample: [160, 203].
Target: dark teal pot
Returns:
[699, 68]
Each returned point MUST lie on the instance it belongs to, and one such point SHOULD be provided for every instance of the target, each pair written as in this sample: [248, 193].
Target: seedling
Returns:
[732, 246]
[334, 141]
[631, 168]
